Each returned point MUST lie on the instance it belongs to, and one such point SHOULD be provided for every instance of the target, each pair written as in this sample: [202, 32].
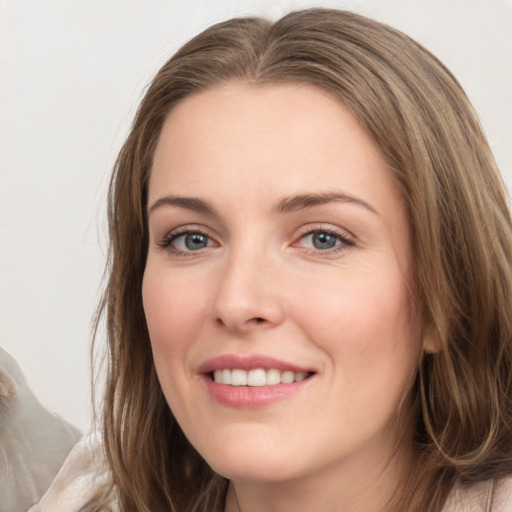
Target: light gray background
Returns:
[71, 75]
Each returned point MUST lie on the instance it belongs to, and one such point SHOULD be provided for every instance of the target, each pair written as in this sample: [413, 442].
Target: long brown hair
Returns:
[461, 243]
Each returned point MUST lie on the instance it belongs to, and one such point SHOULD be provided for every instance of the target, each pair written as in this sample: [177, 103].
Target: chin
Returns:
[255, 464]
[262, 471]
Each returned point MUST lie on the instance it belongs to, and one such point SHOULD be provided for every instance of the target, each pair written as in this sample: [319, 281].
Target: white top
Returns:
[84, 471]
[82, 474]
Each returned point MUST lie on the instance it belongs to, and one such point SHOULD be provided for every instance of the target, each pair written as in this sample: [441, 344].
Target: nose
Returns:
[249, 296]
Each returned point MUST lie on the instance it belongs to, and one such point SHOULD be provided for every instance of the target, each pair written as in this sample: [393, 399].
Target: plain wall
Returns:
[71, 75]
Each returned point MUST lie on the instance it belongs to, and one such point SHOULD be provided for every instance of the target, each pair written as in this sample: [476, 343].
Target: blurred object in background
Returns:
[33, 441]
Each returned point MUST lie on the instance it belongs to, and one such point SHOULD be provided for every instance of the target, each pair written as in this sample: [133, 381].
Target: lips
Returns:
[247, 363]
[252, 381]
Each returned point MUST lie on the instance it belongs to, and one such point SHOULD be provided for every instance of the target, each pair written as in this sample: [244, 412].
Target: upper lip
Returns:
[248, 362]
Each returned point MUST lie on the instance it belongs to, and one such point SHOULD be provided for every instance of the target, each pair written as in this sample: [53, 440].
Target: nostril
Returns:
[259, 320]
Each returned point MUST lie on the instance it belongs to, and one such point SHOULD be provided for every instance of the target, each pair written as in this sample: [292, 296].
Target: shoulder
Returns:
[488, 496]
[82, 475]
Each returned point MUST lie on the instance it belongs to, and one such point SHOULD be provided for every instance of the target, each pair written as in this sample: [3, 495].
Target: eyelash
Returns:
[345, 242]
[168, 240]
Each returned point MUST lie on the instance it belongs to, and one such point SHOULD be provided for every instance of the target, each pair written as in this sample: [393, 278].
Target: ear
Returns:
[431, 341]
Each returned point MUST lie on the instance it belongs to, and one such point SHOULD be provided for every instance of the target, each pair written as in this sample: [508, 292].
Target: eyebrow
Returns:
[284, 205]
[188, 203]
[303, 201]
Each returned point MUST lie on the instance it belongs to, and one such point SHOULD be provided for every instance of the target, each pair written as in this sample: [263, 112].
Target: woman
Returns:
[309, 281]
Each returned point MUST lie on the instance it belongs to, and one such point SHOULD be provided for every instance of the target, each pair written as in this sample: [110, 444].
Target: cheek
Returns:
[370, 337]
[364, 323]
[173, 314]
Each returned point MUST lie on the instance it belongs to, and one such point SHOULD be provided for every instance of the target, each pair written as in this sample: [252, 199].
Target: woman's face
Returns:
[276, 285]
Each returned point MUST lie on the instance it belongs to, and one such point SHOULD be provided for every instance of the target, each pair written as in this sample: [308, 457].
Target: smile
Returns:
[257, 377]
[252, 381]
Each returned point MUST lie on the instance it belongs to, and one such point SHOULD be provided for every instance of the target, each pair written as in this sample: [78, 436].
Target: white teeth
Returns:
[238, 378]
[287, 377]
[226, 376]
[273, 377]
[257, 377]
[300, 376]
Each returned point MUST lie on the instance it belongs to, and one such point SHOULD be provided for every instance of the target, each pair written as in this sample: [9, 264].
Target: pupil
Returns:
[195, 241]
[323, 241]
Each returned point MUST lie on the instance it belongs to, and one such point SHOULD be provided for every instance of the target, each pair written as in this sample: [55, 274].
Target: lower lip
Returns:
[247, 397]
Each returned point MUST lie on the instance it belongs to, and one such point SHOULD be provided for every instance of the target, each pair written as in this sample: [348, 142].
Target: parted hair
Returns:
[461, 234]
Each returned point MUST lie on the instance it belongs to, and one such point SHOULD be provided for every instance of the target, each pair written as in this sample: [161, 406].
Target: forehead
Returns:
[246, 131]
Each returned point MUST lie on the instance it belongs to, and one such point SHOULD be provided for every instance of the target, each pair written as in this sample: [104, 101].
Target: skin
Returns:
[261, 285]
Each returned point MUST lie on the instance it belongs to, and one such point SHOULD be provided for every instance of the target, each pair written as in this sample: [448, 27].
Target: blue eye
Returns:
[322, 240]
[195, 241]
[187, 241]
